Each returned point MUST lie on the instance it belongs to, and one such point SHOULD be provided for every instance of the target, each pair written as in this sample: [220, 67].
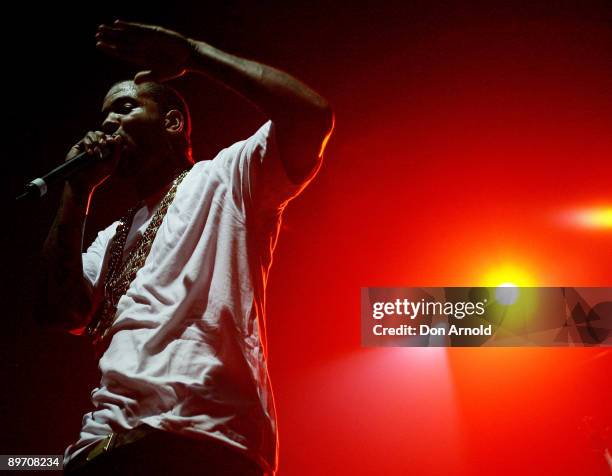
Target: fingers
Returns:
[112, 34]
[127, 32]
[111, 49]
[126, 46]
[162, 53]
[141, 28]
[145, 76]
[109, 32]
[123, 44]
[124, 52]
[134, 26]
[95, 142]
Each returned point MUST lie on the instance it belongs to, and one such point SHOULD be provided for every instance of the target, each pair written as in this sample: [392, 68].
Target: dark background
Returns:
[465, 132]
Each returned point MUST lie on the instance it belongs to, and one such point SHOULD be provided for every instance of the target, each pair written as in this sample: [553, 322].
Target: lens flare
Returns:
[597, 218]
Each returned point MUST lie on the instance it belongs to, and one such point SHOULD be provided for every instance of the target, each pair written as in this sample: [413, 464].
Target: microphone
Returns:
[39, 186]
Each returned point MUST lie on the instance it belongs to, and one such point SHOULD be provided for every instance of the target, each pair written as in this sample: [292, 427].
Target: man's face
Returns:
[129, 112]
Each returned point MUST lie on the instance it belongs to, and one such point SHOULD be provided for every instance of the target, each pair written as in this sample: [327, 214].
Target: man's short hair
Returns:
[167, 98]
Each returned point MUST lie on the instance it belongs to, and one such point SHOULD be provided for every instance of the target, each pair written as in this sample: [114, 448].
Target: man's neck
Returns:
[149, 187]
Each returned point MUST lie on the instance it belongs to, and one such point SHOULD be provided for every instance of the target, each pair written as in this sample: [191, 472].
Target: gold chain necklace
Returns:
[121, 274]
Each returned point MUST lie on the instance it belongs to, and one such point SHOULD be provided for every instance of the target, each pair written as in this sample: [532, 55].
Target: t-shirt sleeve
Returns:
[94, 257]
[257, 175]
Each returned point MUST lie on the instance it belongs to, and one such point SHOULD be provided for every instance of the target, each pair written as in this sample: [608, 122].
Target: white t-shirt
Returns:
[186, 352]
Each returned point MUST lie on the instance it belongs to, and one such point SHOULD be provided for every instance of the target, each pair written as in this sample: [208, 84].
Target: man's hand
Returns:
[94, 142]
[165, 54]
[303, 118]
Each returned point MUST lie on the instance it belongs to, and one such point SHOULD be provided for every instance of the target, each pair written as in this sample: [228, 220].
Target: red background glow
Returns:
[464, 133]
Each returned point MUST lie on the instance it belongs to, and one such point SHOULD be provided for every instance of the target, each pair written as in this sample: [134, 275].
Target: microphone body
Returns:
[39, 186]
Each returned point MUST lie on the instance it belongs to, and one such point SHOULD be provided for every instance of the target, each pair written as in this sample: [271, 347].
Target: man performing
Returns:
[173, 293]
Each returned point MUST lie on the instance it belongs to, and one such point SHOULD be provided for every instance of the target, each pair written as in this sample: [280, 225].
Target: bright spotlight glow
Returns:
[507, 275]
[506, 293]
[599, 218]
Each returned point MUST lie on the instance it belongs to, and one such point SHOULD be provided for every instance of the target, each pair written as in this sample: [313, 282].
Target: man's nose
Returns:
[110, 124]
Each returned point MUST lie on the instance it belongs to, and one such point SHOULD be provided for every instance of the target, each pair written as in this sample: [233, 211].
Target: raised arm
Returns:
[303, 119]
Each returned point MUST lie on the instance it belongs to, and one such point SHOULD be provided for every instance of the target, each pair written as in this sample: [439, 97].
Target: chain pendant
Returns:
[120, 275]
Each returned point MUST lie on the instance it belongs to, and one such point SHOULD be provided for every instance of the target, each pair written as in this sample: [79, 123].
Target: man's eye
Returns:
[126, 107]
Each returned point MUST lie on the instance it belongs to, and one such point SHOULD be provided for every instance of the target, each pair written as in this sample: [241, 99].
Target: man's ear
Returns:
[174, 122]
